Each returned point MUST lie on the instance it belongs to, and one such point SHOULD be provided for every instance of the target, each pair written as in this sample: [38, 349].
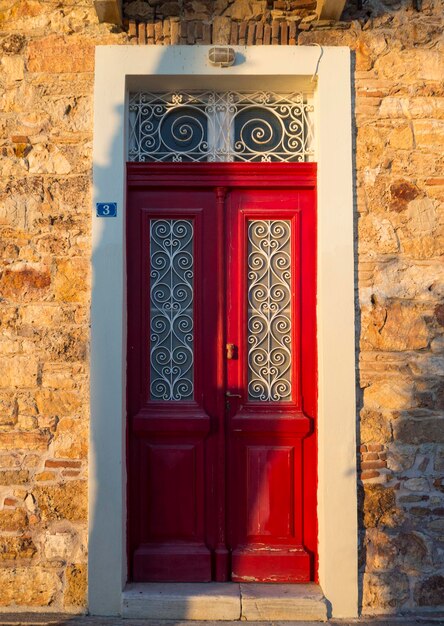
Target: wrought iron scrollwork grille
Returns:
[212, 126]
[269, 310]
[171, 310]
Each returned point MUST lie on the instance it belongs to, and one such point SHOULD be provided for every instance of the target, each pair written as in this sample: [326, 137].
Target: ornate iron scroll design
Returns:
[171, 314]
[211, 126]
[269, 310]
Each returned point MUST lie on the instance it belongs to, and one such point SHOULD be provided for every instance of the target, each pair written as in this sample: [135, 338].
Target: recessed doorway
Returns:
[221, 269]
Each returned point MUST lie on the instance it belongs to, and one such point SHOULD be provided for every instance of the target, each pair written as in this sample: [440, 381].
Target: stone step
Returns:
[302, 602]
[185, 601]
[224, 602]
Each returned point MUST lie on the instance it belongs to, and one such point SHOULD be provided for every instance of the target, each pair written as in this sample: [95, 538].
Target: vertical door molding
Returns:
[221, 551]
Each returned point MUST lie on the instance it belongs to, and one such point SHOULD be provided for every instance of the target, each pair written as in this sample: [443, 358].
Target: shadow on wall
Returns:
[399, 324]
[107, 429]
[238, 22]
[365, 9]
[400, 493]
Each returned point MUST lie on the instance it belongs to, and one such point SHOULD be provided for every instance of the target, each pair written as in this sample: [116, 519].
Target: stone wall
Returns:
[47, 64]
[46, 85]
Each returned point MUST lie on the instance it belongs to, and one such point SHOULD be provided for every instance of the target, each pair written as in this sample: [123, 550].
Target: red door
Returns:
[221, 372]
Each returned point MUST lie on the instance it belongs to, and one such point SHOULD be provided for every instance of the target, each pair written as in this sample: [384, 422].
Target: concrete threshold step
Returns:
[224, 602]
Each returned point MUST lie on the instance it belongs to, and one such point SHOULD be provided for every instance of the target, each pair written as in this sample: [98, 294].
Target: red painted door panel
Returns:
[170, 440]
[270, 278]
[221, 487]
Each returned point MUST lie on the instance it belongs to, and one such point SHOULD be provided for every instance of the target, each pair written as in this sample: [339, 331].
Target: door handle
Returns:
[232, 395]
[231, 351]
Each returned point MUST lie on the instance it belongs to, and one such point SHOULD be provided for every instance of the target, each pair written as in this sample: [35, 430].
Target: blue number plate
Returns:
[106, 209]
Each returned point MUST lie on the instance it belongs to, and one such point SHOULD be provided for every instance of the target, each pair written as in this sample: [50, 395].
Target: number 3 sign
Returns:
[106, 209]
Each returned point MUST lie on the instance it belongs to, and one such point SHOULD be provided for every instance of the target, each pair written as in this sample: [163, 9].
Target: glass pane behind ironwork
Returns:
[273, 133]
[213, 126]
[171, 309]
[269, 310]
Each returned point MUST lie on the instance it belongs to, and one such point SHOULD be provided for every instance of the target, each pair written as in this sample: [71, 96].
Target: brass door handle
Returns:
[232, 395]
[231, 351]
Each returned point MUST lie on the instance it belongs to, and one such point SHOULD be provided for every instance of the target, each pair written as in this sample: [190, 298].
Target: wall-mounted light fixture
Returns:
[221, 56]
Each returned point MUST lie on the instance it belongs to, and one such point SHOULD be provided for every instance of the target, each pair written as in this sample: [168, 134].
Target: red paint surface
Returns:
[217, 491]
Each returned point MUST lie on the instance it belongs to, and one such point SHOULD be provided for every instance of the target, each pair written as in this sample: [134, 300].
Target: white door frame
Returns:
[281, 68]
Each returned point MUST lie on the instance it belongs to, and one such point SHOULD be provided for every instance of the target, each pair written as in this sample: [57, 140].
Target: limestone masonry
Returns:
[46, 101]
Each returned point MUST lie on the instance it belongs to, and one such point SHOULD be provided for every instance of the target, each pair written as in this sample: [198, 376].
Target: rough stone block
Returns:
[45, 314]
[402, 192]
[197, 9]
[385, 590]
[401, 137]
[379, 506]
[429, 133]
[13, 44]
[396, 326]
[23, 441]
[422, 216]
[430, 591]
[419, 431]
[14, 548]
[11, 460]
[29, 586]
[71, 283]
[47, 159]
[412, 552]
[380, 550]
[13, 68]
[8, 417]
[14, 477]
[420, 107]
[27, 281]
[13, 520]
[58, 55]
[411, 65]
[42, 477]
[401, 457]
[138, 10]
[62, 502]
[59, 545]
[62, 375]
[374, 427]
[395, 394]
[76, 586]
[71, 439]
[18, 372]
[58, 402]
[221, 30]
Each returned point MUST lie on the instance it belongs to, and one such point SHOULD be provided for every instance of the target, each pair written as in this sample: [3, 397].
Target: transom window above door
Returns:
[211, 126]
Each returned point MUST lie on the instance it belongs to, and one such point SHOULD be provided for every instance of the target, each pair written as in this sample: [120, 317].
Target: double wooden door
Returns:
[221, 376]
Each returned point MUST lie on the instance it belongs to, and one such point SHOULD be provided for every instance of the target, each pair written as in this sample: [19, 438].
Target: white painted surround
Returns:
[119, 69]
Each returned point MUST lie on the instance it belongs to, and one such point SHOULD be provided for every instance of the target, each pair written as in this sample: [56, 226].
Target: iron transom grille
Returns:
[212, 126]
